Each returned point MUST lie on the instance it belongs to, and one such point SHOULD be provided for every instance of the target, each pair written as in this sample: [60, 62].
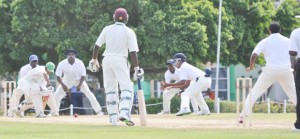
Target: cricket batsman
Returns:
[119, 40]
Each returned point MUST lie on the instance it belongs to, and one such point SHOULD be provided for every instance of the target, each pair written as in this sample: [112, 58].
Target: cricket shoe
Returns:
[296, 129]
[100, 113]
[163, 112]
[204, 112]
[10, 114]
[113, 119]
[126, 120]
[184, 111]
[17, 112]
[53, 114]
[41, 115]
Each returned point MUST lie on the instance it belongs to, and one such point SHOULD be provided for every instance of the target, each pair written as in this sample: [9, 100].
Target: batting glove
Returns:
[138, 73]
[94, 65]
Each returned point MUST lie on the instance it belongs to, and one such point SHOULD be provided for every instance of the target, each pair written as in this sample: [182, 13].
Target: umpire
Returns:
[295, 54]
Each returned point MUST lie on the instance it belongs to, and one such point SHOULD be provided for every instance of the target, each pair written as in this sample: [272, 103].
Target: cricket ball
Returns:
[75, 115]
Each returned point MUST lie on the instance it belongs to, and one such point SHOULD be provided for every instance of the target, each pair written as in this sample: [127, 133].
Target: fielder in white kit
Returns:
[278, 67]
[17, 93]
[71, 72]
[172, 74]
[119, 40]
[200, 81]
[36, 84]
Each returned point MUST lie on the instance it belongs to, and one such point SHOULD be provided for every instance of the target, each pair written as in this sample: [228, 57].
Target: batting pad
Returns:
[112, 105]
[125, 103]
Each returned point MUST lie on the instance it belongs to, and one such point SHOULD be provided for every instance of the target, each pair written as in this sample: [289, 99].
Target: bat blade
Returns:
[142, 106]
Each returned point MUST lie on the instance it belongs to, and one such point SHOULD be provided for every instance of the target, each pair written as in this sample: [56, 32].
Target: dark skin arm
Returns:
[95, 51]
[252, 62]
[180, 83]
[293, 55]
[187, 84]
[80, 83]
[62, 84]
[134, 58]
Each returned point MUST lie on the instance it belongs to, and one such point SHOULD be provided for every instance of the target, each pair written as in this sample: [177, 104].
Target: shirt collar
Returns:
[275, 34]
[119, 23]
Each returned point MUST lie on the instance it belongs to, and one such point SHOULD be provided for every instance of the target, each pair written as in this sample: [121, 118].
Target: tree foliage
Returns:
[163, 27]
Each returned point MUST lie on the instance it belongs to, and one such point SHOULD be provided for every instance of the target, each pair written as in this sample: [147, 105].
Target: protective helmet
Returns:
[121, 15]
[180, 56]
[170, 61]
[50, 66]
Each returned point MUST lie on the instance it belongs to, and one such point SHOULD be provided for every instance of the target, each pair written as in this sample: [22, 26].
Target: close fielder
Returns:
[17, 93]
[278, 67]
[36, 84]
[119, 40]
[70, 73]
[172, 74]
[200, 81]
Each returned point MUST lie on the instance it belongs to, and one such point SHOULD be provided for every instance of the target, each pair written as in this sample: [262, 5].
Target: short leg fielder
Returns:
[167, 96]
[195, 91]
[266, 79]
[59, 94]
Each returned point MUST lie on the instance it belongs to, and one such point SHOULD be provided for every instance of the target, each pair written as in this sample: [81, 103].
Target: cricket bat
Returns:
[142, 106]
[45, 100]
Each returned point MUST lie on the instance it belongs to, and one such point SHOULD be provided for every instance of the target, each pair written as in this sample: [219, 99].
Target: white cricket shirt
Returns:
[119, 39]
[172, 77]
[35, 75]
[295, 41]
[189, 72]
[71, 72]
[275, 49]
[24, 70]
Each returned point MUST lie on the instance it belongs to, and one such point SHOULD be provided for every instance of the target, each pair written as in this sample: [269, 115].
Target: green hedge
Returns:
[225, 106]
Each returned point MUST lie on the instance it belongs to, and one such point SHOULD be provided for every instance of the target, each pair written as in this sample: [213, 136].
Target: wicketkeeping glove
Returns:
[94, 65]
[138, 73]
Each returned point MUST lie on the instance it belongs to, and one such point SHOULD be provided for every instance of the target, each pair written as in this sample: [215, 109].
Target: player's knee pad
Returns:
[125, 102]
[112, 103]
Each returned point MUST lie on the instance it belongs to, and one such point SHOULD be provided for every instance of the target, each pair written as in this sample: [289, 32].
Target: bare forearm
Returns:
[252, 60]
[134, 58]
[59, 80]
[81, 80]
[95, 52]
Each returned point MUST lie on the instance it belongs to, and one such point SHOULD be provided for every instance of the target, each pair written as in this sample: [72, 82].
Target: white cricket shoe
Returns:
[114, 120]
[184, 111]
[100, 113]
[204, 112]
[295, 129]
[163, 112]
[17, 112]
[41, 115]
[54, 114]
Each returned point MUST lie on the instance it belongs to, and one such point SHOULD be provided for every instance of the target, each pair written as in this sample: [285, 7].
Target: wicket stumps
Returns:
[8, 87]
[243, 84]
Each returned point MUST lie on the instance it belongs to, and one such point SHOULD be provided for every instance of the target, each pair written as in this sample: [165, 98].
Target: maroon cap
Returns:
[121, 14]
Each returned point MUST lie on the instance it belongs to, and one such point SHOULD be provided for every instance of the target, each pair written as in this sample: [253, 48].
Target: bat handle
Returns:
[139, 84]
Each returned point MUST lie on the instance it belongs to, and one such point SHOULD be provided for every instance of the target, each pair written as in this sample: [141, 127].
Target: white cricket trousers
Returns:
[60, 93]
[32, 91]
[195, 91]
[269, 75]
[169, 94]
[116, 72]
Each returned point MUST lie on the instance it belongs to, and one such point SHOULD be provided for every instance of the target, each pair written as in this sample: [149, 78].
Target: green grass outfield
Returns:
[20, 128]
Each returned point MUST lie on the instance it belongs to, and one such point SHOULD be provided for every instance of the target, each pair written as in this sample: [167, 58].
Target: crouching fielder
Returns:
[34, 87]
